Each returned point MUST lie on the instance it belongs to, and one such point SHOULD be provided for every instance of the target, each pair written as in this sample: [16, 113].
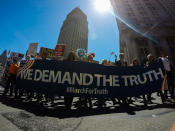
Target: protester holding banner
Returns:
[102, 101]
[172, 88]
[44, 56]
[122, 63]
[90, 60]
[22, 63]
[48, 98]
[12, 72]
[168, 83]
[40, 95]
[135, 62]
[150, 61]
[68, 99]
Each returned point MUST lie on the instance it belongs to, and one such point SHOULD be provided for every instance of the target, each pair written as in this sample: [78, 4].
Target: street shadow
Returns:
[59, 110]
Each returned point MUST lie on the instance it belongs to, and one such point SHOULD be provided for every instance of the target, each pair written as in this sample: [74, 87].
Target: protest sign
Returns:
[32, 50]
[89, 79]
[59, 50]
[81, 53]
[16, 55]
[48, 51]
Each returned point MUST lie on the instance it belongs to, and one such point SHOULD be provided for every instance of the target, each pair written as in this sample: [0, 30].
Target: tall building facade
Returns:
[74, 31]
[144, 26]
[170, 6]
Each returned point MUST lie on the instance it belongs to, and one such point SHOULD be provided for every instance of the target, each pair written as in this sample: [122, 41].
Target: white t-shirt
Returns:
[166, 63]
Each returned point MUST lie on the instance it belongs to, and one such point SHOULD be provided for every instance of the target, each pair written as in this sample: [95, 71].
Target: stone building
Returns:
[74, 31]
[145, 26]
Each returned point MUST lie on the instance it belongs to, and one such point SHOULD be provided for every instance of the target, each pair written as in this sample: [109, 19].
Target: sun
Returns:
[102, 6]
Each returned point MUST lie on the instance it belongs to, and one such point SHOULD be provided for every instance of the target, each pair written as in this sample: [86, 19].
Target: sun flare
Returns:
[102, 6]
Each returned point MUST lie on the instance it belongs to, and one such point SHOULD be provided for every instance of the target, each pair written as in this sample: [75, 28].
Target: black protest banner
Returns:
[87, 79]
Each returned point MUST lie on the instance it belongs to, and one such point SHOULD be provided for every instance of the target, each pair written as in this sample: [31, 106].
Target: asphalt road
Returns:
[16, 115]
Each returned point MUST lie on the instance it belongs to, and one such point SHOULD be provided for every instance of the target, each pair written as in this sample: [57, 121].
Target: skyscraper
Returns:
[144, 26]
[170, 6]
[74, 32]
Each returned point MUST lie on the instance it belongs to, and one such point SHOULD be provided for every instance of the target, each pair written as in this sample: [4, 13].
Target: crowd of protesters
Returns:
[166, 91]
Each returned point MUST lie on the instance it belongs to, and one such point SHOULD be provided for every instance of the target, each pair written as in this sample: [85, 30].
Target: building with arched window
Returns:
[145, 26]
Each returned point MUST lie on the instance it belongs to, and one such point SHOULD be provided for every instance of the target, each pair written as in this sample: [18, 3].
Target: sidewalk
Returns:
[5, 124]
[17, 116]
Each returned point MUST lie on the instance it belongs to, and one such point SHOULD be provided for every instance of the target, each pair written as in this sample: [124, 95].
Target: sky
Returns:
[29, 21]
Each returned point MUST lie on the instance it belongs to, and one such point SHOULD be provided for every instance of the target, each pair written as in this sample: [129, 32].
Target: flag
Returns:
[9, 52]
[112, 53]
[25, 65]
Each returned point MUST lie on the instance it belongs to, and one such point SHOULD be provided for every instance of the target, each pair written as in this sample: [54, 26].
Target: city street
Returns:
[87, 65]
[16, 115]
